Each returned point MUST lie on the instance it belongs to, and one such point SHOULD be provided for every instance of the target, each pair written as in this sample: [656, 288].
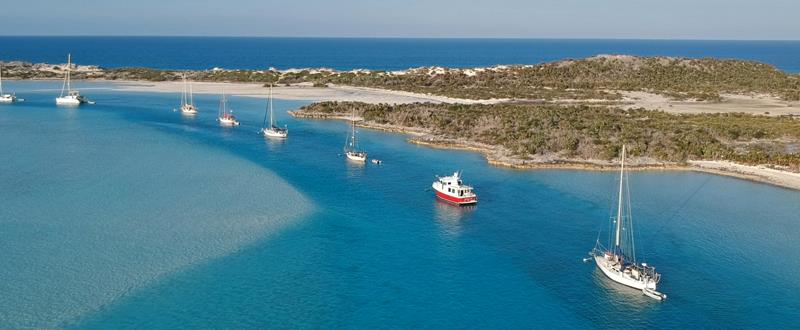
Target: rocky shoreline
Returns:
[498, 156]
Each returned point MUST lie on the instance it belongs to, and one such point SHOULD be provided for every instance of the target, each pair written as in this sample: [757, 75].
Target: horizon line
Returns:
[385, 37]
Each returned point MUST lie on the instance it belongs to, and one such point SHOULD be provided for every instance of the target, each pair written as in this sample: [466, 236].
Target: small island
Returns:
[731, 117]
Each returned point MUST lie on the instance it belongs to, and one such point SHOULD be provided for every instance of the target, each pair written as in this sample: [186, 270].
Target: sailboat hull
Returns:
[356, 157]
[7, 99]
[228, 122]
[188, 110]
[619, 276]
[275, 133]
[68, 101]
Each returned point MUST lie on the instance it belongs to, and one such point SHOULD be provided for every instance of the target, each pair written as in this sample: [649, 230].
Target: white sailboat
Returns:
[187, 99]
[69, 96]
[226, 118]
[272, 130]
[619, 261]
[351, 150]
[7, 98]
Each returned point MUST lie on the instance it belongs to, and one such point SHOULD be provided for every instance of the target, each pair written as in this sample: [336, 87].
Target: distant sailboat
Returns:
[187, 99]
[69, 96]
[225, 117]
[619, 261]
[7, 98]
[272, 130]
[351, 150]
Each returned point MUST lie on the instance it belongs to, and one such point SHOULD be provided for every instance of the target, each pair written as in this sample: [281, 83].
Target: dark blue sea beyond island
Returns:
[368, 53]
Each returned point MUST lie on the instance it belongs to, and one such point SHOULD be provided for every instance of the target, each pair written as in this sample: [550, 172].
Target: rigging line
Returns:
[685, 202]
[632, 233]
[264, 122]
[611, 217]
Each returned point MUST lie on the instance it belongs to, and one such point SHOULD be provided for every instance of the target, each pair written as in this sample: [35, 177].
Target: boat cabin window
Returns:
[461, 193]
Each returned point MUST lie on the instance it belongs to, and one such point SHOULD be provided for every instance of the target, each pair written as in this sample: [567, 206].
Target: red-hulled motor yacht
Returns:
[451, 189]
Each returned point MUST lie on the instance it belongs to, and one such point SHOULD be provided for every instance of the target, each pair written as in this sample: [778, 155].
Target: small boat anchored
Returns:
[69, 96]
[619, 262]
[226, 118]
[7, 98]
[451, 189]
[351, 150]
[272, 130]
[187, 99]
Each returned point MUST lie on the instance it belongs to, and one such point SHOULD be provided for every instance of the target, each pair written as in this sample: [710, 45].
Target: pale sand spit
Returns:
[304, 92]
[756, 104]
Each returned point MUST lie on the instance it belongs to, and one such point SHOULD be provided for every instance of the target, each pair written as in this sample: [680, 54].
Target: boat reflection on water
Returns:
[621, 294]
[354, 169]
[450, 216]
[274, 144]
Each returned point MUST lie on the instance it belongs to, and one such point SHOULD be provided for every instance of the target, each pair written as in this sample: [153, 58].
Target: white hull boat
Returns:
[188, 110]
[225, 117]
[187, 98]
[619, 262]
[356, 156]
[72, 99]
[613, 271]
[452, 190]
[7, 98]
[351, 150]
[228, 121]
[275, 132]
[271, 129]
[68, 96]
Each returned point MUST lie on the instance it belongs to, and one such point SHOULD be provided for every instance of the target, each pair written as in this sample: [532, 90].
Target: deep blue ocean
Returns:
[125, 214]
[367, 53]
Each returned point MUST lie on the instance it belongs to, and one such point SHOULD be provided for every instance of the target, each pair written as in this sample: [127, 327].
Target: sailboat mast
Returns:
[69, 68]
[222, 105]
[354, 130]
[183, 96]
[191, 94]
[619, 203]
[270, 105]
[64, 85]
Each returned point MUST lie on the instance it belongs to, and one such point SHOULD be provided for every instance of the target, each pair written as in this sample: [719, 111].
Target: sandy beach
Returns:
[303, 91]
[731, 103]
[759, 173]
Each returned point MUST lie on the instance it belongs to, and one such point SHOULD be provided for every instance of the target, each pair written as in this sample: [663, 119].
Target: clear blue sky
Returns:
[671, 19]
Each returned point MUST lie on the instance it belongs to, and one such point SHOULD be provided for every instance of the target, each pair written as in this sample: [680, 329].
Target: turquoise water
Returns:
[126, 215]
